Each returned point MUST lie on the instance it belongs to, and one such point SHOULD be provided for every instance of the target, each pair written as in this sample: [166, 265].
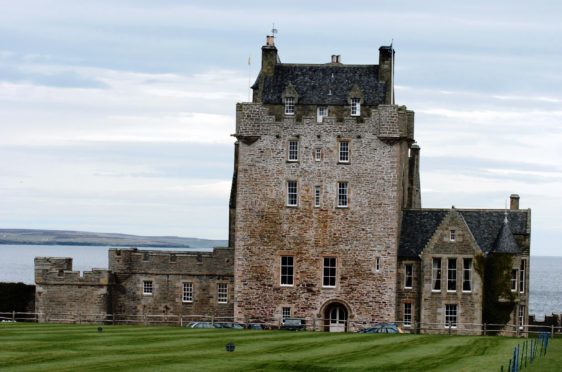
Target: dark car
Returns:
[200, 325]
[382, 328]
[256, 326]
[229, 325]
[291, 324]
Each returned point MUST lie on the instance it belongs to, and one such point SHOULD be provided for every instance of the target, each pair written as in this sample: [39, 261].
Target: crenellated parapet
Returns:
[58, 270]
[389, 123]
[219, 261]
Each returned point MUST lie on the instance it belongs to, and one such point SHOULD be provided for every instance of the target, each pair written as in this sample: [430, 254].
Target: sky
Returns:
[116, 116]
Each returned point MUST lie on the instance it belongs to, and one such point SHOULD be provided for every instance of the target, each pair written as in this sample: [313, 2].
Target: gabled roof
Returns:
[486, 225]
[326, 84]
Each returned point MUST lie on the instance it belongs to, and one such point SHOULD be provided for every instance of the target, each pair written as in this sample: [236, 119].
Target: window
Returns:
[344, 152]
[378, 264]
[342, 195]
[407, 315]
[187, 294]
[522, 277]
[318, 154]
[355, 106]
[292, 193]
[436, 275]
[287, 269]
[286, 312]
[289, 105]
[317, 196]
[453, 235]
[467, 275]
[521, 316]
[408, 275]
[451, 315]
[147, 287]
[322, 112]
[222, 293]
[513, 280]
[293, 150]
[329, 272]
[451, 274]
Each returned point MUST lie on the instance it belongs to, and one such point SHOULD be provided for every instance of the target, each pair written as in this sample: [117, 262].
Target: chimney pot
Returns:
[338, 59]
[270, 40]
[514, 201]
[334, 58]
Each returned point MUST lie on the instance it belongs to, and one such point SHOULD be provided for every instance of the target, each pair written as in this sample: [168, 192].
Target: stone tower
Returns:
[325, 162]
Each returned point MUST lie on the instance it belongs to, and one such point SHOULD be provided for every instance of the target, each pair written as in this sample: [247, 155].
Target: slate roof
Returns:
[505, 242]
[418, 226]
[313, 83]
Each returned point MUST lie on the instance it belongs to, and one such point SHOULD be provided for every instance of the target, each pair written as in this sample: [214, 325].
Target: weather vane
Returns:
[273, 30]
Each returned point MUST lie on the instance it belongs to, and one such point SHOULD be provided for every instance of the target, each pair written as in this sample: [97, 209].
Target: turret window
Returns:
[355, 107]
[289, 105]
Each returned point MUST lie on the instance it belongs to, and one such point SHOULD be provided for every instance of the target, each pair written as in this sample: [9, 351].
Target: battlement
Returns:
[219, 261]
[387, 122]
[58, 270]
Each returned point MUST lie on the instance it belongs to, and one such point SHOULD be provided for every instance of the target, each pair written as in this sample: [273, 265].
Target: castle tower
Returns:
[323, 170]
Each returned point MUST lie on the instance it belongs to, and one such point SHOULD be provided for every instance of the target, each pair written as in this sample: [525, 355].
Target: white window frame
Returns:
[292, 193]
[514, 281]
[522, 278]
[436, 274]
[453, 235]
[287, 271]
[408, 274]
[286, 312]
[187, 292]
[147, 287]
[451, 274]
[521, 316]
[407, 318]
[329, 271]
[317, 196]
[222, 293]
[343, 152]
[467, 274]
[321, 113]
[356, 106]
[293, 150]
[451, 315]
[289, 106]
[343, 195]
[318, 154]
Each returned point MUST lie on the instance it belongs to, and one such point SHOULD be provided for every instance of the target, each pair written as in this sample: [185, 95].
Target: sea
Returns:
[16, 265]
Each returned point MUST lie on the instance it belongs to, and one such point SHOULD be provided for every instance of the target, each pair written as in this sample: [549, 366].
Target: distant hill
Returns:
[58, 237]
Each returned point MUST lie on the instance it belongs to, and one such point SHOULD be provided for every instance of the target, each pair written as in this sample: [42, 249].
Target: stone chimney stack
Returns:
[386, 72]
[514, 201]
[269, 56]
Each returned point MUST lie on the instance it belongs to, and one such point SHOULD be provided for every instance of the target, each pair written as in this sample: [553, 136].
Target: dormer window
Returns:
[452, 235]
[289, 105]
[321, 113]
[355, 107]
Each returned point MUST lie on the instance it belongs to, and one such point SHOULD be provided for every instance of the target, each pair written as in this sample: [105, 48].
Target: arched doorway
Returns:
[335, 317]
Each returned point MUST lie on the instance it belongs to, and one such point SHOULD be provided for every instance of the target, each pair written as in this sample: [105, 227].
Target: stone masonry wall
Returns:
[469, 304]
[61, 291]
[357, 236]
[168, 270]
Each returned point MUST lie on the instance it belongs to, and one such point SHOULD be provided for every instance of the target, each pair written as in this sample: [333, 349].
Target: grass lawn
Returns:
[38, 347]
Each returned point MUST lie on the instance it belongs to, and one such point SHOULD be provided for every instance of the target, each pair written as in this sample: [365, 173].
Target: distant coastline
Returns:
[83, 238]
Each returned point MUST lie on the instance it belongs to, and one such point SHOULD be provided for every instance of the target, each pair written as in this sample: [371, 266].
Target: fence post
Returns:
[552, 331]
[14, 316]
[484, 329]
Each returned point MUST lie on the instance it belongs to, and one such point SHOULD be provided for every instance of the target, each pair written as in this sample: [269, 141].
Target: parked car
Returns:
[291, 324]
[256, 326]
[382, 328]
[201, 325]
[229, 325]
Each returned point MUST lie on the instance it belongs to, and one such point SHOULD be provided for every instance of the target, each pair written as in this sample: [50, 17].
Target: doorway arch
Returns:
[335, 317]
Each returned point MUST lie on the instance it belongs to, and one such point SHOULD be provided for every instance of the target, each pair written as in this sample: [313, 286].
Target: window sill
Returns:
[292, 206]
[222, 303]
[435, 291]
[466, 291]
[407, 287]
[147, 294]
[287, 285]
[451, 291]
[187, 302]
[329, 287]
